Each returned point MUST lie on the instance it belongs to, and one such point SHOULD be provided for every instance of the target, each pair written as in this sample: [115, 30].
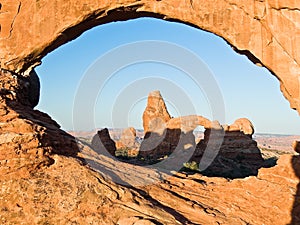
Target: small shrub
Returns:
[191, 165]
[123, 153]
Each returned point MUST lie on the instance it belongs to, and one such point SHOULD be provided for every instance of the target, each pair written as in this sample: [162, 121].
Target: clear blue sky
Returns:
[248, 90]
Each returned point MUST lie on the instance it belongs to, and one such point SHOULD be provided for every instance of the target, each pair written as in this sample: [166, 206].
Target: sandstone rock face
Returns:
[163, 134]
[102, 142]
[158, 145]
[68, 192]
[267, 32]
[48, 178]
[156, 112]
[40, 185]
[28, 137]
[188, 123]
[255, 200]
[243, 125]
[296, 146]
[238, 155]
[165, 138]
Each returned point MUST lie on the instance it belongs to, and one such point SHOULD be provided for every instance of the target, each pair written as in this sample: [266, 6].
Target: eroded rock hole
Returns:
[131, 142]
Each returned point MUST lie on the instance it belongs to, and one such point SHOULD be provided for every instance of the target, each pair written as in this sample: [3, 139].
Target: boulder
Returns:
[244, 125]
[103, 144]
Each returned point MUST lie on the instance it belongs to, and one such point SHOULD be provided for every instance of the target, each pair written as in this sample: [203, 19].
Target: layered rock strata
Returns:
[28, 137]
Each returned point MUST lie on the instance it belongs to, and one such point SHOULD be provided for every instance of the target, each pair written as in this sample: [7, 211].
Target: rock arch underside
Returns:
[46, 176]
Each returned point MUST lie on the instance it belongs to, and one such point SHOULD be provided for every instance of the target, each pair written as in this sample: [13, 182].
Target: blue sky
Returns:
[247, 90]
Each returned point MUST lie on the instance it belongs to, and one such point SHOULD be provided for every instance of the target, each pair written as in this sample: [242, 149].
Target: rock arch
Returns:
[267, 32]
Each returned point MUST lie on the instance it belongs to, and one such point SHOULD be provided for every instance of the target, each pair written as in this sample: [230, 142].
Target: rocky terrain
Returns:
[49, 177]
[225, 151]
[277, 143]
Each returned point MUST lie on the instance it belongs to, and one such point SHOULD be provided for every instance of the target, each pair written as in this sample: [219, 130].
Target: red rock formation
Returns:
[243, 125]
[188, 123]
[69, 192]
[127, 139]
[163, 134]
[28, 138]
[40, 187]
[155, 112]
[238, 155]
[155, 146]
[265, 199]
[45, 179]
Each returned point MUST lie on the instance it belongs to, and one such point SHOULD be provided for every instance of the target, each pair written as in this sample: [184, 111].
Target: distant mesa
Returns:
[237, 156]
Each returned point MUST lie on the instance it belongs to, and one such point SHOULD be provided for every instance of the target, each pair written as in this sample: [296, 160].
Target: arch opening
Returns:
[262, 44]
[207, 55]
[263, 29]
[141, 67]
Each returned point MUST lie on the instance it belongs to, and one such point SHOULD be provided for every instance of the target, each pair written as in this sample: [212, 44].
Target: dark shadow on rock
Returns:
[28, 136]
[50, 136]
[100, 158]
[238, 156]
[295, 214]
[102, 140]
[156, 146]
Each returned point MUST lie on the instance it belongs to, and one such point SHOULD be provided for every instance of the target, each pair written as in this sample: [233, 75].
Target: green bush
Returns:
[123, 153]
[191, 165]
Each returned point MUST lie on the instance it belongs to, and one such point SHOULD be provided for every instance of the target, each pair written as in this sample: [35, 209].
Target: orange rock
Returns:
[244, 125]
[28, 137]
[237, 155]
[188, 123]
[127, 145]
[156, 110]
